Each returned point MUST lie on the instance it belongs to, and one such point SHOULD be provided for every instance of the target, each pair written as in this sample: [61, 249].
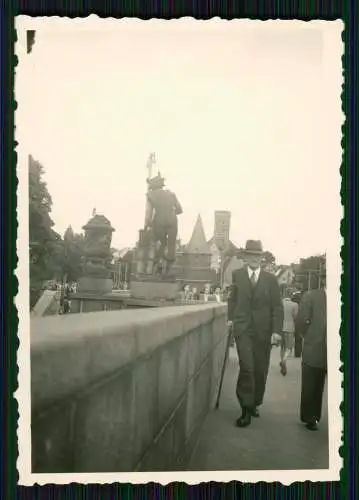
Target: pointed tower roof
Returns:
[198, 242]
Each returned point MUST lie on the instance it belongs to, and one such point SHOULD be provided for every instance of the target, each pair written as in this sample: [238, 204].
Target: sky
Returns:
[241, 116]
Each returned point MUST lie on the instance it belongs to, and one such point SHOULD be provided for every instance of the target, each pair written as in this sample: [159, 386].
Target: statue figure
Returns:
[162, 210]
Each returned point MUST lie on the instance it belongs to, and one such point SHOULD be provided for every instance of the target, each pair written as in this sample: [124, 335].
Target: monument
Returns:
[96, 260]
[95, 287]
[156, 248]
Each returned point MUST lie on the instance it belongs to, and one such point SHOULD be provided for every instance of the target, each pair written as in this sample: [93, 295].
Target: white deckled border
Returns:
[333, 51]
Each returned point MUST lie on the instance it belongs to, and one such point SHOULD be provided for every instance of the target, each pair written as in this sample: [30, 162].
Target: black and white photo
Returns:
[179, 250]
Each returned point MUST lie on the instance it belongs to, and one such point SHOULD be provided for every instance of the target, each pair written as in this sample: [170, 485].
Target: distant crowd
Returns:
[204, 294]
[58, 286]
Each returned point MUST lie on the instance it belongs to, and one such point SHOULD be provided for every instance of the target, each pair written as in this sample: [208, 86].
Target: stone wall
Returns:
[123, 391]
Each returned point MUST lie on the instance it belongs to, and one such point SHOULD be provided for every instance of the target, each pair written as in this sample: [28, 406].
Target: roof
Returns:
[198, 242]
[98, 222]
[230, 250]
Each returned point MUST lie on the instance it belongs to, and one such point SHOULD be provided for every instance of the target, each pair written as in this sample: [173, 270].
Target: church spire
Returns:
[198, 243]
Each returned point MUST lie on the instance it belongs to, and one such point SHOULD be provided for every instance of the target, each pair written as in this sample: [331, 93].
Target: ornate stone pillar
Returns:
[97, 256]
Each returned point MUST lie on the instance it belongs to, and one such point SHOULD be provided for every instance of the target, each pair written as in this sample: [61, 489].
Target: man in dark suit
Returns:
[255, 312]
[312, 325]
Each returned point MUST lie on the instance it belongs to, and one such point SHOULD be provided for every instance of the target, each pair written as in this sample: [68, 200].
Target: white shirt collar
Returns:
[256, 272]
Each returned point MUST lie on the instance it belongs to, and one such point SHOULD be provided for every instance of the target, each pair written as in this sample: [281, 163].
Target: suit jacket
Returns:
[258, 309]
[312, 326]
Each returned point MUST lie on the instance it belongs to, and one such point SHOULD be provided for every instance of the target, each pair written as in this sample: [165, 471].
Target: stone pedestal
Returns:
[146, 285]
[150, 288]
[98, 286]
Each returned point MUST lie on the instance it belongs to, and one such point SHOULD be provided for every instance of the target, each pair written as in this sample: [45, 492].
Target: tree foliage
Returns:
[51, 257]
[268, 257]
[310, 271]
[45, 243]
[73, 252]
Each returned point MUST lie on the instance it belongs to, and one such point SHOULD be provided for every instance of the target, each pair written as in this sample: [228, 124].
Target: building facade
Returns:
[285, 277]
[231, 264]
[222, 226]
[121, 268]
[193, 264]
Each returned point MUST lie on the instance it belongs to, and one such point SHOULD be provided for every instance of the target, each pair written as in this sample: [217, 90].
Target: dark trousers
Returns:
[166, 235]
[298, 347]
[313, 380]
[254, 357]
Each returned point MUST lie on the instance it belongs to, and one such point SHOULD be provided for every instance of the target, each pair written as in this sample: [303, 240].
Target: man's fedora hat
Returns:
[253, 247]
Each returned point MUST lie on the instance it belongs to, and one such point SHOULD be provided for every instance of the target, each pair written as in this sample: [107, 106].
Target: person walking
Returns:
[298, 340]
[65, 302]
[312, 325]
[217, 294]
[290, 313]
[255, 315]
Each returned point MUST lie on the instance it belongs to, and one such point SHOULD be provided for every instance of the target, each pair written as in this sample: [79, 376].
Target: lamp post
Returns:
[30, 40]
[221, 262]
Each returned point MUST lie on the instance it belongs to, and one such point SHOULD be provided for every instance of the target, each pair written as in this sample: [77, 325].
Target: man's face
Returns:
[253, 261]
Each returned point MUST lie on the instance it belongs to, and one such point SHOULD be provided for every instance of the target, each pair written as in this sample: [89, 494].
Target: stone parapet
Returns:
[123, 391]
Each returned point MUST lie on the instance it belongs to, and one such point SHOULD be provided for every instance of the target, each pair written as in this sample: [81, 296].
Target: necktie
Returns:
[253, 279]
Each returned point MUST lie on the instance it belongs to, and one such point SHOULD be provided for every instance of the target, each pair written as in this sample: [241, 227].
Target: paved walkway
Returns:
[275, 441]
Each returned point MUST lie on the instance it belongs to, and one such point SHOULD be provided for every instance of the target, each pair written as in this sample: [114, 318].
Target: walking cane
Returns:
[229, 336]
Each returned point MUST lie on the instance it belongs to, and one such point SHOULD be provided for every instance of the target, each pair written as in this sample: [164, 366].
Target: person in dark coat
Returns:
[298, 340]
[255, 314]
[163, 209]
[312, 325]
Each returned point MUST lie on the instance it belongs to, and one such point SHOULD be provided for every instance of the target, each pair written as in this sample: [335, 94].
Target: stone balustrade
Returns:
[123, 390]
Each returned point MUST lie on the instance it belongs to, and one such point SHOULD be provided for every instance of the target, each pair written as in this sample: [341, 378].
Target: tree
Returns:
[45, 243]
[268, 257]
[310, 271]
[72, 257]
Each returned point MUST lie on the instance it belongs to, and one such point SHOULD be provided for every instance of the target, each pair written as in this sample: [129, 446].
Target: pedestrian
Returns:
[312, 325]
[298, 340]
[206, 292]
[255, 313]
[65, 302]
[287, 344]
[217, 295]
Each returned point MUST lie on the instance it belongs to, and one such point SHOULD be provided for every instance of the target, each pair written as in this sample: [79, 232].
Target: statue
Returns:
[156, 248]
[162, 210]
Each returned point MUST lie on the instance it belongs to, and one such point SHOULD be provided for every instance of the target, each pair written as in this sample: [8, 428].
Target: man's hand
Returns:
[276, 339]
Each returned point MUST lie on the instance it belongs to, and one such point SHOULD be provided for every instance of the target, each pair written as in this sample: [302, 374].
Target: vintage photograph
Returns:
[179, 250]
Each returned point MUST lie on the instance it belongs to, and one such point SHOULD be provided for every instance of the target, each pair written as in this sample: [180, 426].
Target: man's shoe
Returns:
[255, 413]
[283, 368]
[312, 426]
[244, 420]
